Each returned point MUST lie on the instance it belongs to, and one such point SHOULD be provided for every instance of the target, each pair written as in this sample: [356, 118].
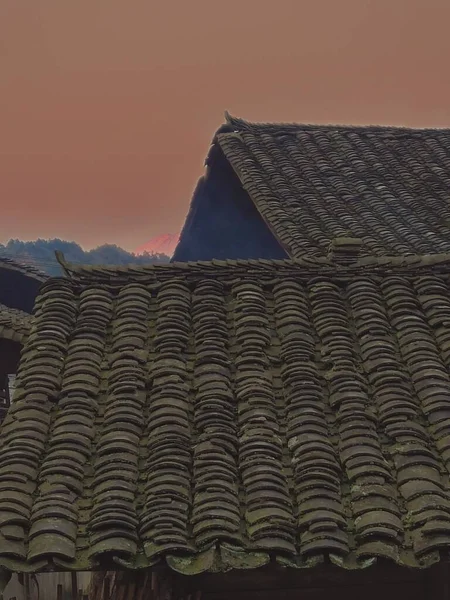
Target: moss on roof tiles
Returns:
[213, 422]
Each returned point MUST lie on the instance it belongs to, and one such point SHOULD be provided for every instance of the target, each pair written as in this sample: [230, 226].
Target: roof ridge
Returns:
[11, 263]
[308, 265]
[244, 125]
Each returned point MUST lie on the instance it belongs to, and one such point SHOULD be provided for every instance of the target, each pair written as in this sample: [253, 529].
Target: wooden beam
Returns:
[26, 581]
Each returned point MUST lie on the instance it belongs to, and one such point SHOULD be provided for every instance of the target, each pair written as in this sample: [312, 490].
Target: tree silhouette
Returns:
[41, 254]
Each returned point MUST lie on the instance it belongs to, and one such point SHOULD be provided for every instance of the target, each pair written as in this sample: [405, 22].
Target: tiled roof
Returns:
[19, 284]
[13, 265]
[302, 267]
[14, 324]
[311, 183]
[219, 417]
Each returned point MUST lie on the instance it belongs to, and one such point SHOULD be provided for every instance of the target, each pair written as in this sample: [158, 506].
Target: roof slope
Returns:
[388, 186]
[14, 324]
[217, 416]
[14, 265]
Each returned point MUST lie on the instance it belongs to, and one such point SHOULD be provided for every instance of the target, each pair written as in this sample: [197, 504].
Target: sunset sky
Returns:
[107, 107]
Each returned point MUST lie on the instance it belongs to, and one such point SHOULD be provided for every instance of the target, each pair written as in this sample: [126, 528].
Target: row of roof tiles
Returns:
[287, 418]
[388, 186]
[223, 414]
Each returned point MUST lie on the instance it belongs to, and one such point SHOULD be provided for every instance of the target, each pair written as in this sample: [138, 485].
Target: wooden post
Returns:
[106, 591]
[141, 595]
[26, 581]
[74, 581]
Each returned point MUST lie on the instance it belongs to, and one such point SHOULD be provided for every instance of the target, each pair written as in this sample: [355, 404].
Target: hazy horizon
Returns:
[84, 247]
[108, 108]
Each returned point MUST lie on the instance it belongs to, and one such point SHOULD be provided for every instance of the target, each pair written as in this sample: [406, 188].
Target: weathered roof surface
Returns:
[14, 324]
[388, 186]
[14, 265]
[215, 417]
[305, 266]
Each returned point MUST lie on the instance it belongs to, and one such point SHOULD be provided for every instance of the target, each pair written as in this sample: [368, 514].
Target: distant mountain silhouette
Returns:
[41, 254]
[161, 244]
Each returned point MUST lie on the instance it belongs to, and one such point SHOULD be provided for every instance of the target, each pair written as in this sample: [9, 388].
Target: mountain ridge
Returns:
[40, 253]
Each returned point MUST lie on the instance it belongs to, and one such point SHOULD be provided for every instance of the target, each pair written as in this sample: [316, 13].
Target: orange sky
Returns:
[107, 107]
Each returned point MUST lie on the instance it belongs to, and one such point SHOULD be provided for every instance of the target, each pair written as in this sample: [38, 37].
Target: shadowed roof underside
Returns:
[388, 186]
[218, 416]
[19, 284]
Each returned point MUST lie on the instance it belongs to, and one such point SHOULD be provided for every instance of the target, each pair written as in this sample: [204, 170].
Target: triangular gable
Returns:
[223, 222]
[388, 186]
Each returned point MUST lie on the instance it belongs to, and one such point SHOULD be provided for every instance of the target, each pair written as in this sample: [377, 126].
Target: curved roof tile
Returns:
[213, 417]
[14, 324]
[388, 186]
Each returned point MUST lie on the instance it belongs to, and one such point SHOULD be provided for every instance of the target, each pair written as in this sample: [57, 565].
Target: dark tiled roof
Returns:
[13, 265]
[302, 267]
[388, 186]
[14, 324]
[214, 421]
